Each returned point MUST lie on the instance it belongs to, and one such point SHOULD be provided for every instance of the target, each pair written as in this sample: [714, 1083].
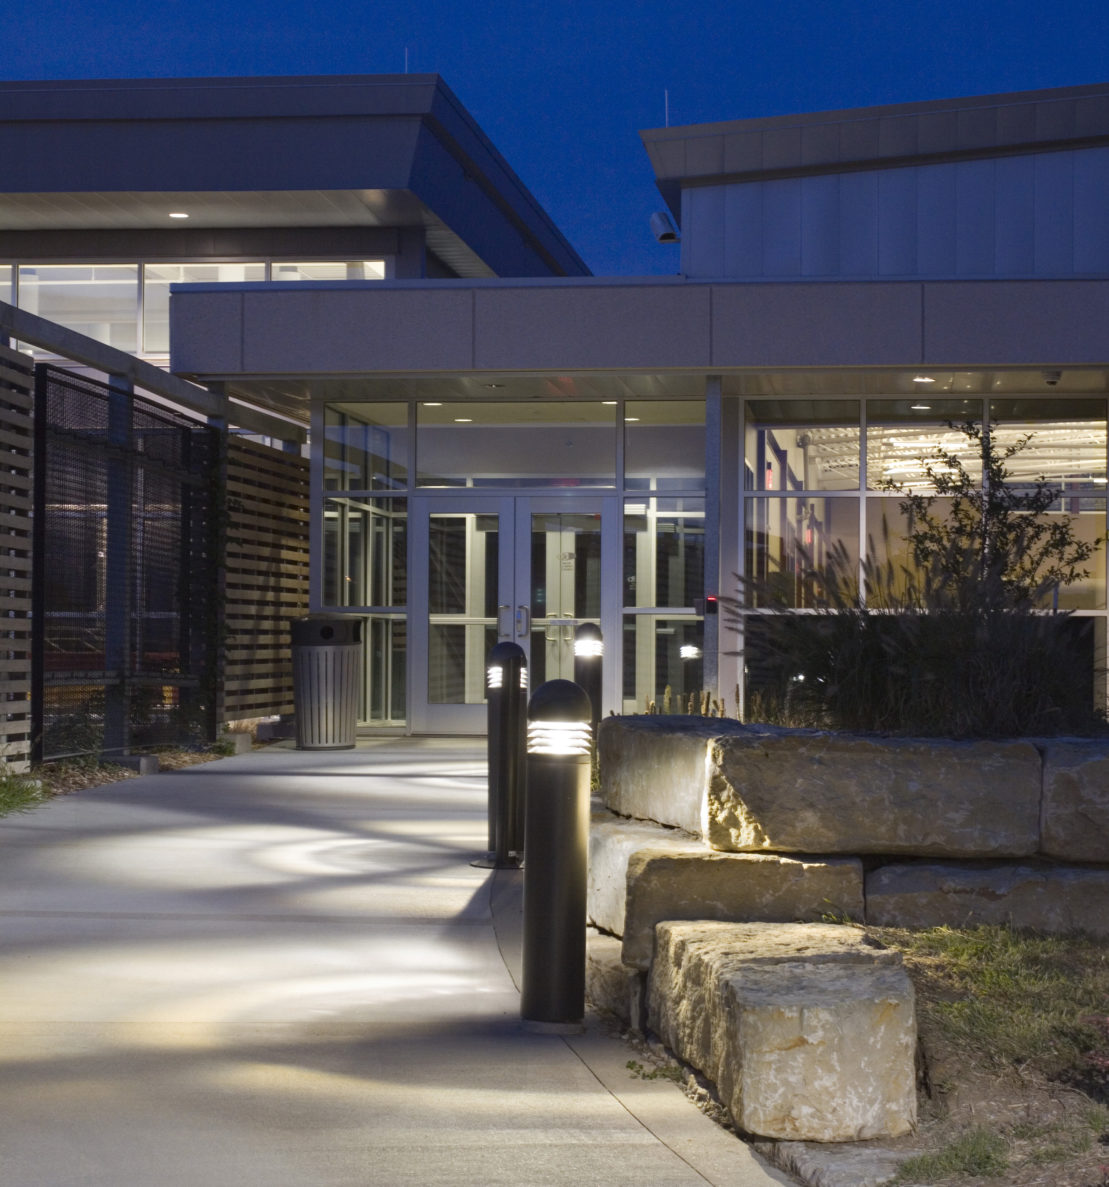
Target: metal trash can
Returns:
[327, 661]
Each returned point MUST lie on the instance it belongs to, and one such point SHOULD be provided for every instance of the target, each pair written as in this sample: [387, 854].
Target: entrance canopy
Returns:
[639, 339]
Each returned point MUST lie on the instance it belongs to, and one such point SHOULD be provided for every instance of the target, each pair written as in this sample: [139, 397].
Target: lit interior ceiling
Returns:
[129, 211]
[292, 397]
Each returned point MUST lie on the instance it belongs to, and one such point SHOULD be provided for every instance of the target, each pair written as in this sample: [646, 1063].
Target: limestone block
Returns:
[653, 767]
[1053, 899]
[612, 841]
[735, 887]
[608, 984]
[807, 1030]
[807, 792]
[1075, 822]
[145, 764]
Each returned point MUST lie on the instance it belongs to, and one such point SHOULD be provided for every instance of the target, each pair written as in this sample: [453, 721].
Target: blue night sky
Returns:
[562, 89]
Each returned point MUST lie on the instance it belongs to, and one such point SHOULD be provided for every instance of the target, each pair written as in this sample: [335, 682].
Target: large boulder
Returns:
[612, 841]
[809, 792]
[732, 887]
[807, 1030]
[1075, 825]
[1053, 899]
[653, 767]
[609, 986]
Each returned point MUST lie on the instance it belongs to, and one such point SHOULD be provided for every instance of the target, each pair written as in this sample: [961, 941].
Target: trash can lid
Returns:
[326, 630]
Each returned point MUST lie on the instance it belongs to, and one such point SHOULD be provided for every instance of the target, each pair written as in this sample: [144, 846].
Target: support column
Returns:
[38, 567]
[713, 496]
[731, 559]
[119, 591]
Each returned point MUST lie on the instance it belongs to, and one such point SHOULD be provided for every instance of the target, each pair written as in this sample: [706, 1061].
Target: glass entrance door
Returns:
[521, 568]
[559, 565]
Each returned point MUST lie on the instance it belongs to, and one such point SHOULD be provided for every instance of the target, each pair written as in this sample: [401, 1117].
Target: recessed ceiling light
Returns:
[921, 407]
[631, 418]
[923, 379]
[494, 385]
[178, 214]
[432, 404]
[610, 403]
[463, 420]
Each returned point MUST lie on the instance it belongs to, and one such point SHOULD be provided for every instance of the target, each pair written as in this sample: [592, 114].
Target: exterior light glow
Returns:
[558, 737]
[921, 407]
[524, 679]
[689, 651]
[495, 676]
[923, 379]
[178, 214]
[432, 404]
[463, 420]
[585, 646]
[610, 403]
[631, 418]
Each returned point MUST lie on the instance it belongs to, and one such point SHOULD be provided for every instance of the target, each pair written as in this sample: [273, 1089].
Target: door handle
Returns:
[523, 621]
[504, 620]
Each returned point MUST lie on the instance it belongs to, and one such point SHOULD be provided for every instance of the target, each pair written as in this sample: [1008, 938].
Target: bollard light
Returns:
[506, 686]
[556, 856]
[589, 649]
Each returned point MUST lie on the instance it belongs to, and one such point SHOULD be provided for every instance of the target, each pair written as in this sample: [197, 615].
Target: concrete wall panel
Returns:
[607, 326]
[206, 331]
[1016, 322]
[331, 330]
[815, 325]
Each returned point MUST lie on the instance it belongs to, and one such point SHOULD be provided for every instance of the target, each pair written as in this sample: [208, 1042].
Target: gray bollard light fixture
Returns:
[506, 688]
[556, 857]
[589, 650]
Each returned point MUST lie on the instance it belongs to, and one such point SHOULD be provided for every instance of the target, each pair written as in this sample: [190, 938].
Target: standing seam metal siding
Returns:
[1035, 215]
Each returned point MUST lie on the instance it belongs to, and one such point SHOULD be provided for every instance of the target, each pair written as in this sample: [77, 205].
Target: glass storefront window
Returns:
[366, 447]
[794, 445]
[100, 300]
[548, 444]
[330, 270]
[662, 652]
[1066, 440]
[664, 445]
[787, 538]
[385, 646]
[888, 528]
[365, 552]
[156, 281]
[462, 585]
[664, 552]
[902, 436]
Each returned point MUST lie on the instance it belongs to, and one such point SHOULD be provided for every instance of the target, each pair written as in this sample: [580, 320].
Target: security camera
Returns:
[1051, 378]
[662, 227]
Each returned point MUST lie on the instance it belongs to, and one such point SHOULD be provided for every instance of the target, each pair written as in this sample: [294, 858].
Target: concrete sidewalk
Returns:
[279, 969]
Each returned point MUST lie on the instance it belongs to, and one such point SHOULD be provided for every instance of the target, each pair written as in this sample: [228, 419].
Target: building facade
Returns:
[503, 447]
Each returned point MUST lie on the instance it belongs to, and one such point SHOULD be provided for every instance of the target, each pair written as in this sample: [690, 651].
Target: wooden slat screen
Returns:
[16, 430]
[265, 579]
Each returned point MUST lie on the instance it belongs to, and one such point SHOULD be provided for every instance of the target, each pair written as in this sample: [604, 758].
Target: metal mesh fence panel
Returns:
[128, 573]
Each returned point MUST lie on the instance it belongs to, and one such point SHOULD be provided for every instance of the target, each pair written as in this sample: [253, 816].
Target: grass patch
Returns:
[20, 792]
[1015, 999]
[976, 1152]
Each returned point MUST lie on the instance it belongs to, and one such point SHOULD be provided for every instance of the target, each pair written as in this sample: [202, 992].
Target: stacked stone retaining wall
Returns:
[712, 819]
